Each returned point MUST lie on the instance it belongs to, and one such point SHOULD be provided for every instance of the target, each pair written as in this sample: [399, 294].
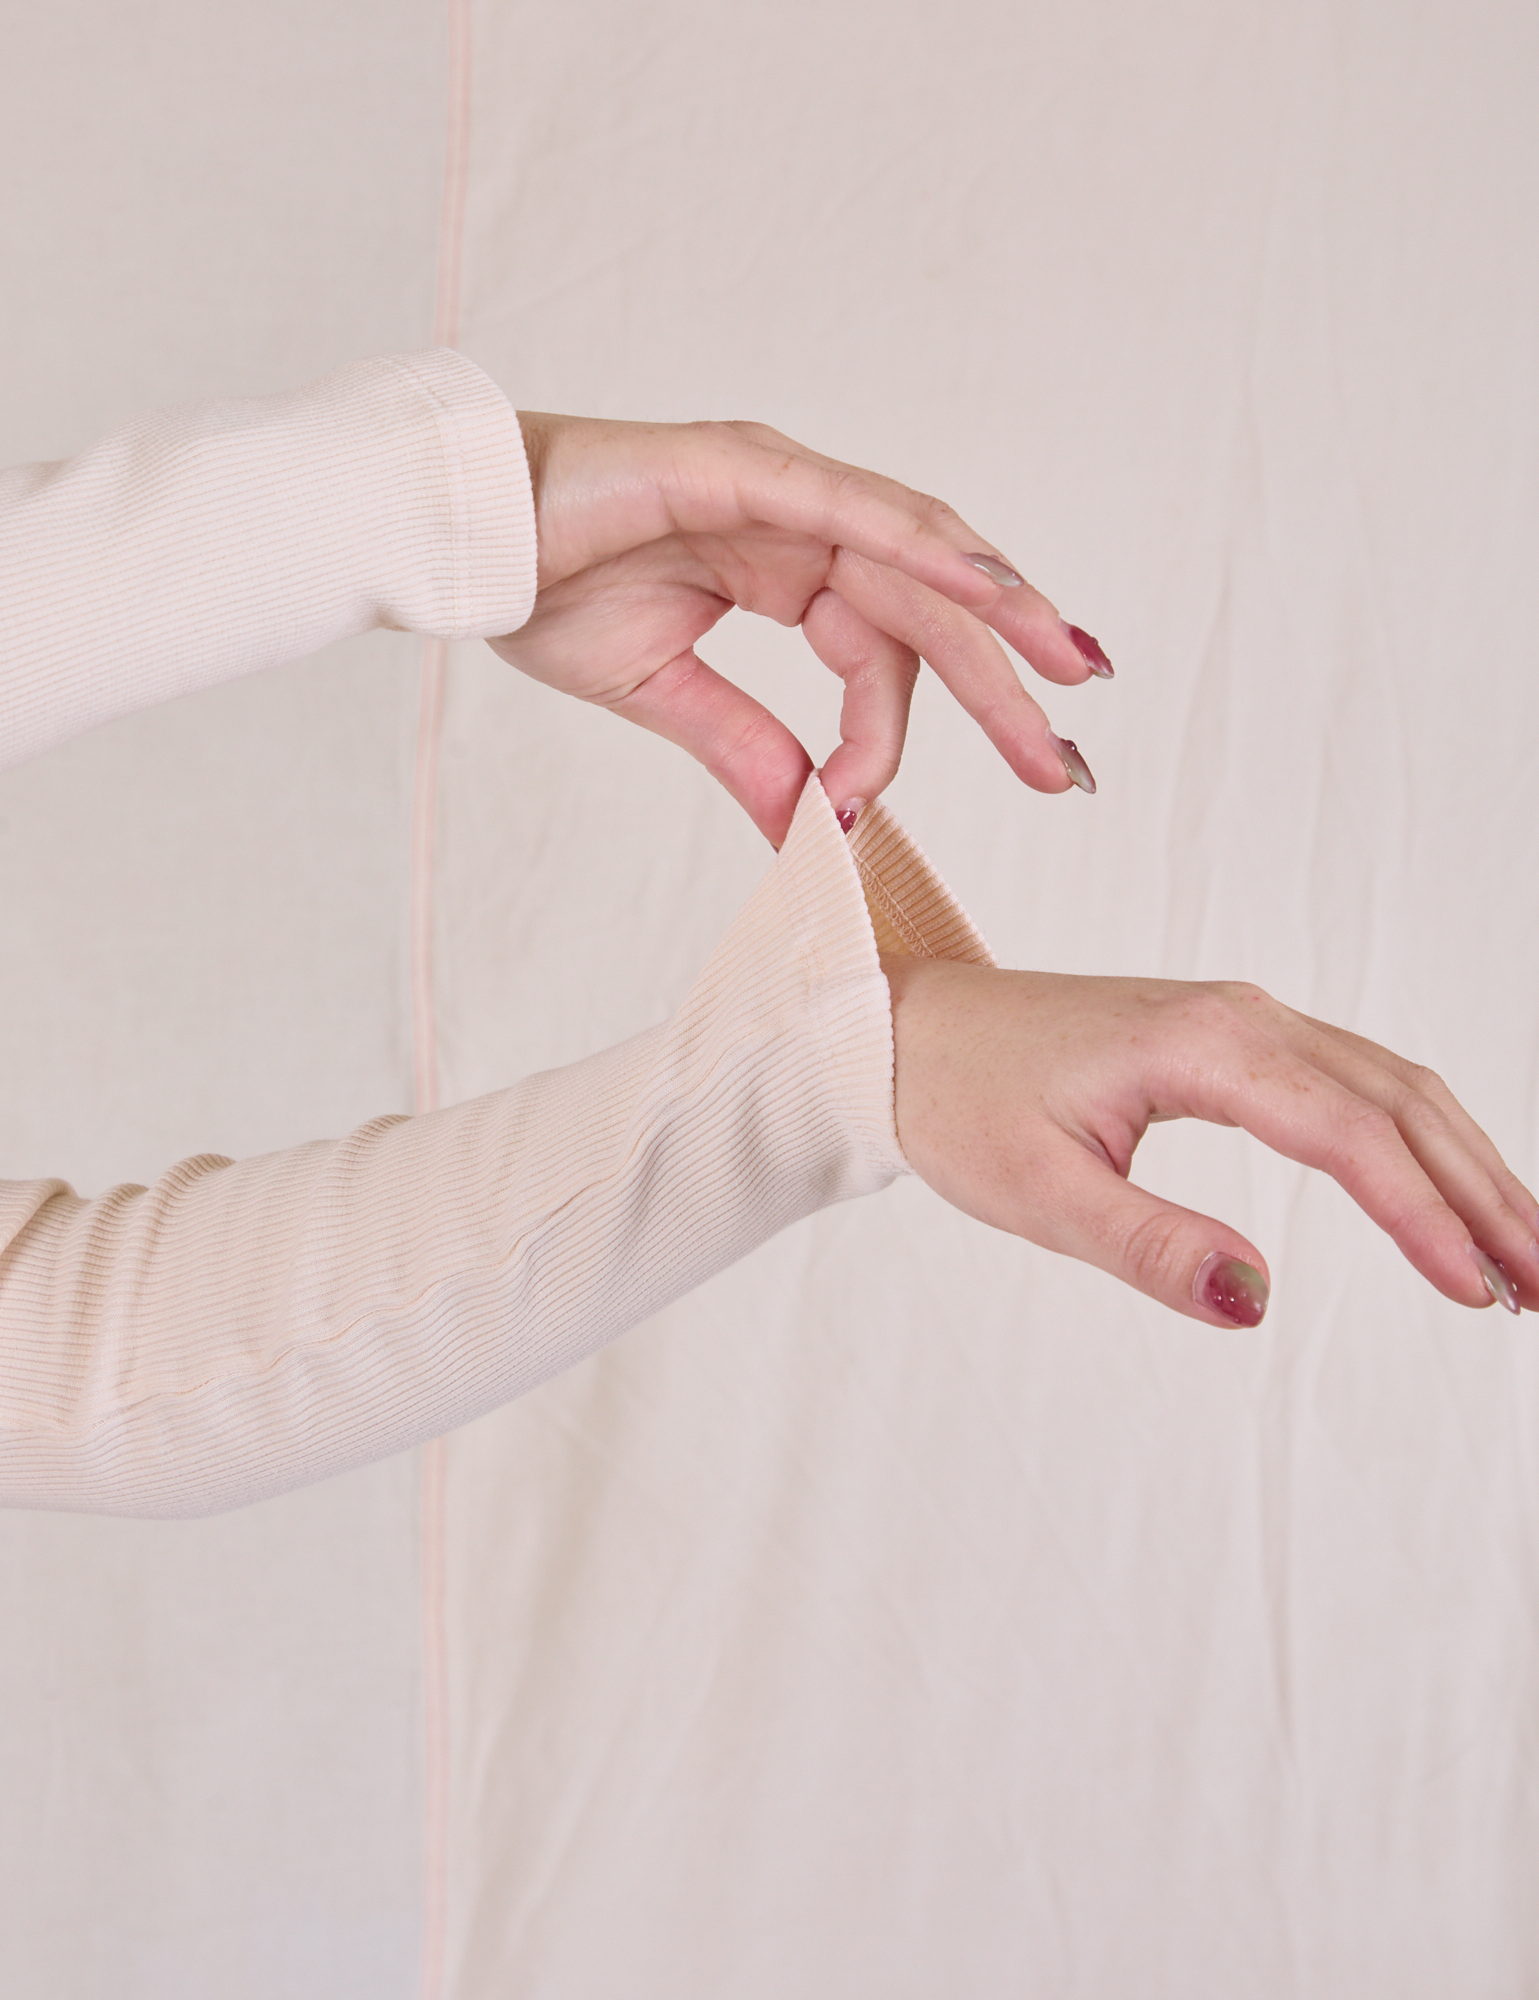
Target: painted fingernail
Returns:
[1238, 1291]
[848, 813]
[1068, 755]
[1090, 650]
[997, 571]
[1503, 1291]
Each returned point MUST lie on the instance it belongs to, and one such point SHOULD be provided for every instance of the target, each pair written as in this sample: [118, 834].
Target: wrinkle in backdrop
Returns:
[908, 1612]
[210, 1731]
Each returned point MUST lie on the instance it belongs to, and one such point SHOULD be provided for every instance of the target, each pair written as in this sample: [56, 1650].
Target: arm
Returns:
[1022, 1096]
[202, 543]
[238, 1329]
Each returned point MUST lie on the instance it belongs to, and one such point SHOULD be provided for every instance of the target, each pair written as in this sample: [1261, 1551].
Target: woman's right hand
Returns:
[1021, 1097]
[650, 533]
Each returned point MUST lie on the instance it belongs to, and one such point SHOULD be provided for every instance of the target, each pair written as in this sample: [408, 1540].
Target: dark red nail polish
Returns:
[1090, 651]
[848, 814]
[1235, 1289]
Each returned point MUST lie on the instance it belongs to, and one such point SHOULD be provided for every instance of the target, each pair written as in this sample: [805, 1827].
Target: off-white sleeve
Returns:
[241, 1328]
[238, 1329]
[205, 542]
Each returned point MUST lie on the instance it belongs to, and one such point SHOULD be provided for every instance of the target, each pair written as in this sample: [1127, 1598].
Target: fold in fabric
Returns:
[239, 1329]
[242, 1328]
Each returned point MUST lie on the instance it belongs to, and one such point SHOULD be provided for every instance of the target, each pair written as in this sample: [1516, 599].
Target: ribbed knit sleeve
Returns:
[205, 542]
[238, 1329]
[241, 1328]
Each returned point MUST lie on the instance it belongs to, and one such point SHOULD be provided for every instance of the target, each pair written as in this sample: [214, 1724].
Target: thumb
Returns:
[1187, 1261]
[737, 739]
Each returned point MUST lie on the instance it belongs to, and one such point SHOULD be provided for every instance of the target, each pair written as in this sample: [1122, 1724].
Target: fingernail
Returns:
[1090, 650]
[1238, 1291]
[1078, 770]
[1503, 1291]
[848, 813]
[997, 571]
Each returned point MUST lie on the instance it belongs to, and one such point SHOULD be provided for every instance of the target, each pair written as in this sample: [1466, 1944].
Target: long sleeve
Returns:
[201, 543]
[242, 1328]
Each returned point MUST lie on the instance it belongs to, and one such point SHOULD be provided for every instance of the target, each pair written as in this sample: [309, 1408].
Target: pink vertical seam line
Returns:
[435, 1462]
[451, 220]
[430, 710]
[435, 1685]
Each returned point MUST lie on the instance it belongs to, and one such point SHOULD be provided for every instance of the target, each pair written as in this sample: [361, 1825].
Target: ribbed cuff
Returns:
[913, 913]
[847, 997]
[490, 545]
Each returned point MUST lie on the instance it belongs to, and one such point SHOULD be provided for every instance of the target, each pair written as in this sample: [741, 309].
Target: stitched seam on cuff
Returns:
[452, 458]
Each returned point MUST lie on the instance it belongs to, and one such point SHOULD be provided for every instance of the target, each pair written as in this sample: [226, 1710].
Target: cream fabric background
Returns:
[210, 1736]
[908, 1613]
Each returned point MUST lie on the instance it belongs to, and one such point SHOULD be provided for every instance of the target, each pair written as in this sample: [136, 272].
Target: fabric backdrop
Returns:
[908, 1613]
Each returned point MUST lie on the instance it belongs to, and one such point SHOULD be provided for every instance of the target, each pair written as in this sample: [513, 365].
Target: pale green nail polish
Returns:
[997, 571]
[1069, 756]
[1503, 1291]
[1237, 1290]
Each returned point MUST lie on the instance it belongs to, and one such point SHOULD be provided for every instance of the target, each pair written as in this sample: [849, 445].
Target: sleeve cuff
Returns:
[487, 576]
[913, 913]
[853, 900]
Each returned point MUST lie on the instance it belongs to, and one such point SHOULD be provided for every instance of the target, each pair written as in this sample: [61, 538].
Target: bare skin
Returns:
[1021, 1097]
[650, 533]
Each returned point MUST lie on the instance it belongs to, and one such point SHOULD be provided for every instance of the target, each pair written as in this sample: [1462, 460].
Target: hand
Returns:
[1022, 1095]
[649, 533]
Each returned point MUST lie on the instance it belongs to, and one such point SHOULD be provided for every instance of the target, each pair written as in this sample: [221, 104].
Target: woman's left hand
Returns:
[1021, 1097]
[650, 533]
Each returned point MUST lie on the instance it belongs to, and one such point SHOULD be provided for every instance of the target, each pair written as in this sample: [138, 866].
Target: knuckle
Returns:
[934, 514]
[1209, 1012]
[732, 438]
[1412, 1109]
[1358, 1129]
[1152, 1251]
[1242, 995]
[1428, 1083]
[763, 435]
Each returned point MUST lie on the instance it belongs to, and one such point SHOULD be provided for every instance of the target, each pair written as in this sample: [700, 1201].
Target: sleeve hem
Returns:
[855, 898]
[494, 552]
[913, 913]
[849, 1002]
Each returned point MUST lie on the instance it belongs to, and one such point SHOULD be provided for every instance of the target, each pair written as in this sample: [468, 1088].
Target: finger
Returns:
[736, 738]
[1306, 1115]
[604, 488]
[782, 482]
[1456, 1156]
[969, 660]
[1187, 1261]
[878, 672]
[1427, 1083]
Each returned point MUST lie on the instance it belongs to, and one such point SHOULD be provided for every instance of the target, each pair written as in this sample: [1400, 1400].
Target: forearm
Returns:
[201, 543]
[243, 1328]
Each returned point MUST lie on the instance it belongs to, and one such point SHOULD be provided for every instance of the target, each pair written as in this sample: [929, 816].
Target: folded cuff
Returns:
[488, 570]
